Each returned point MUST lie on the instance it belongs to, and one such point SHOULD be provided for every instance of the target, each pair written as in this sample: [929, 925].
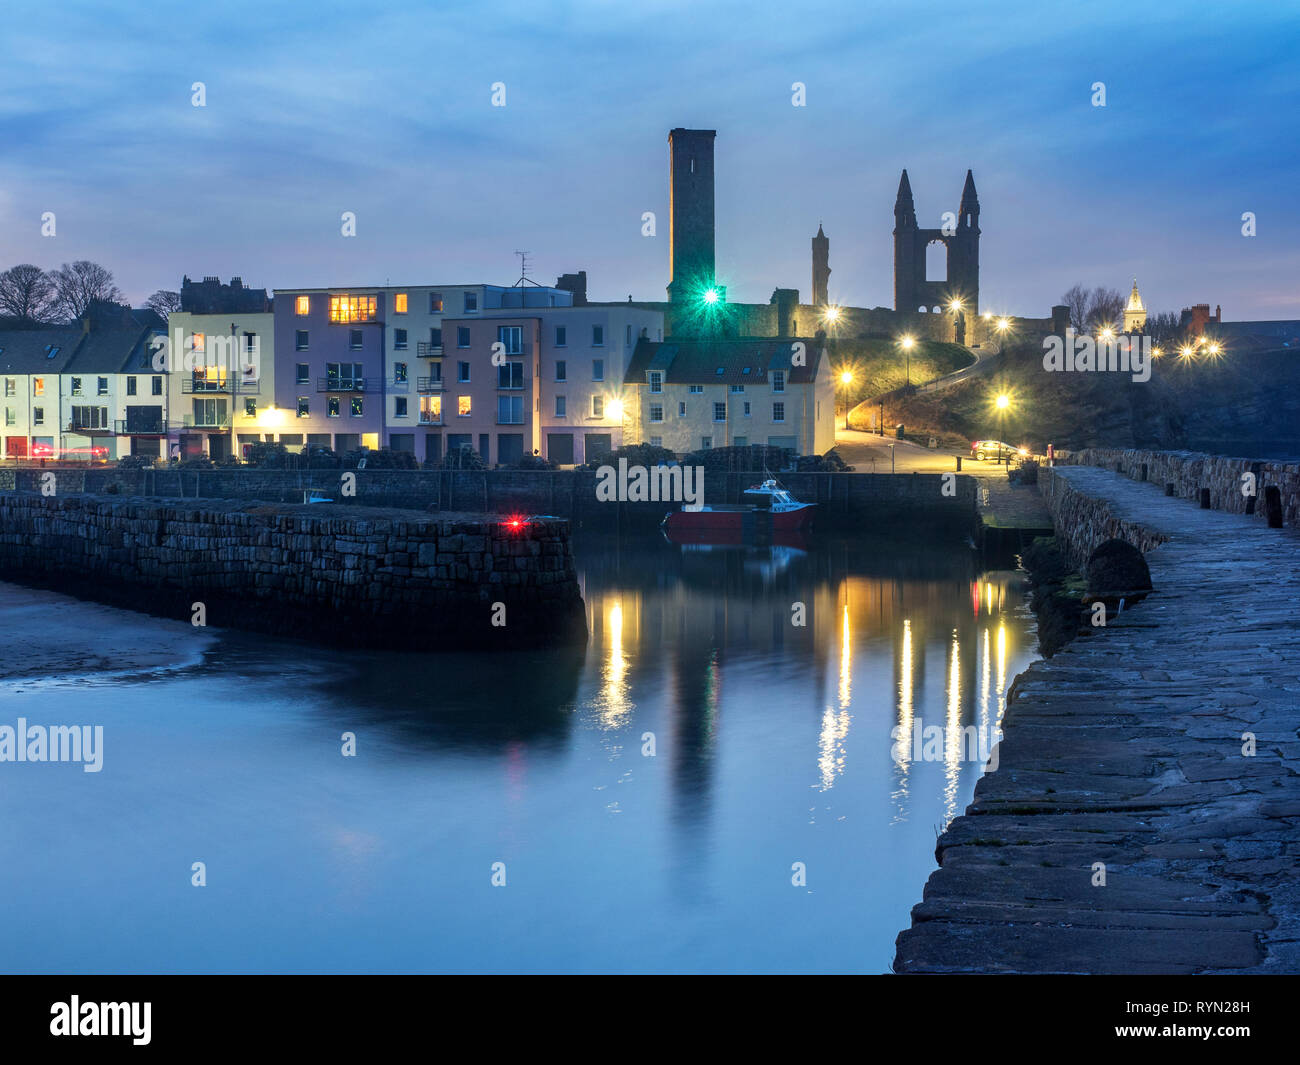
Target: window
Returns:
[719, 412]
[462, 336]
[561, 370]
[510, 410]
[89, 417]
[463, 407]
[778, 412]
[51, 350]
[737, 388]
[399, 303]
[598, 369]
[76, 386]
[302, 305]
[101, 386]
[399, 339]
[681, 409]
[198, 342]
[38, 386]
[561, 336]
[706, 442]
[656, 412]
[696, 389]
[250, 408]
[399, 373]
[250, 342]
[560, 402]
[332, 407]
[304, 407]
[352, 308]
[38, 415]
[399, 407]
[656, 441]
[462, 373]
[778, 380]
[130, 386]
[358, 406]
[598, 406]
[11, 386]
[745, 371]
[9, 416]
[355, 339]
[435, 302]
[344, 377]
[471, 301]
[746, 408]
[302, 373]
[597, 336]
[511, 337]
[656, 381]
[157, 386]
[300, 340]
[430, 410]
[510, 375]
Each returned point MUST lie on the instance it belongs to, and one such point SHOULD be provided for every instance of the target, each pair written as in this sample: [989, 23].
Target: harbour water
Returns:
[713, 784]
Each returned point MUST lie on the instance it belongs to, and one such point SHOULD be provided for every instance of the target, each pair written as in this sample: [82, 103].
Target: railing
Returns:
[399, 384]
[428, 384]
[345, 384]
[430, 419]
[139, 427]
[428, 351]
[191, 387]
[188, 421]
[74, 426]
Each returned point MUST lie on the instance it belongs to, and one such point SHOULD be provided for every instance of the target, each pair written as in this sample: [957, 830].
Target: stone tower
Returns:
[690, 208]
[912, 290]
[1135, 315]
[821, 268]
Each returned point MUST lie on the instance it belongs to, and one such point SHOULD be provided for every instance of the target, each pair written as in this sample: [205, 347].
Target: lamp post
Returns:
[908, 342]
[846, 379]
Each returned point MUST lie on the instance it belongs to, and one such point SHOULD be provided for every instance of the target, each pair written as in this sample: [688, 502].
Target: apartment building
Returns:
[220, 383]
[688, 395]
[547, 381]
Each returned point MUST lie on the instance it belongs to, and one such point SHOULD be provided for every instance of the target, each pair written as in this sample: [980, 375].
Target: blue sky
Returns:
[385, 110]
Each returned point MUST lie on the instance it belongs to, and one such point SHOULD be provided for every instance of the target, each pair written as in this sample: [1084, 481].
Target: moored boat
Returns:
[766, 502]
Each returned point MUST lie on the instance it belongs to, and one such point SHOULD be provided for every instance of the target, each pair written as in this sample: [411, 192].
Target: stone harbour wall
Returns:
[1192, 471]
[1085, 521]
[342, 575]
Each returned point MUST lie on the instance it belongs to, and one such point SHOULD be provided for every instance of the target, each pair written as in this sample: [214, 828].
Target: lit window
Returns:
[463, 406]
[250, 408]
[399, 303]
[304, 407]
[430, 409]
[38, 386]
[435, 302]
[197, 342]
[332, 407]
[352, 308]
[358, 406]
[302, 305]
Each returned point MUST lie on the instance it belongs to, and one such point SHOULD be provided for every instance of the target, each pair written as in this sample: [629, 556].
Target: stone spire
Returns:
[1135, 314]
[904, 208]
[821, 269]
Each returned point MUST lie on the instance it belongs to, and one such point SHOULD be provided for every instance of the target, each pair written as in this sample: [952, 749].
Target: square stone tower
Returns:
[690, 205]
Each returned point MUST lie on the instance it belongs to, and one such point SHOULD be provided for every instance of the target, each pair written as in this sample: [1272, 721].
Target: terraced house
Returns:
[688, 395]
[83, 392]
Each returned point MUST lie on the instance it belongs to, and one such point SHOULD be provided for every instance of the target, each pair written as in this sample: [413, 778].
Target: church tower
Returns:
[690, 211]
[905, 234]
[821, 268]
[964, 250]
[1135, 315]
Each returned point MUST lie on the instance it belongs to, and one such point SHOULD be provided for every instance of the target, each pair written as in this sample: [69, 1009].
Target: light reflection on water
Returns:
[649, 794]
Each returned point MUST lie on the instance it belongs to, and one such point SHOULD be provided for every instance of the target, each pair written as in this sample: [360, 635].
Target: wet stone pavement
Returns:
[1125, 829]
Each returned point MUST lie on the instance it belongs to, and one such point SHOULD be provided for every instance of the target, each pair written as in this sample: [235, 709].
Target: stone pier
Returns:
[1127, 828]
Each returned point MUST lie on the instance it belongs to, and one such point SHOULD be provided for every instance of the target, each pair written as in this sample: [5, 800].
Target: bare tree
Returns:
[26, 293]
[77, 285]
[1077, 298]
[1105, 308]
[1164, 327]
[164, 301]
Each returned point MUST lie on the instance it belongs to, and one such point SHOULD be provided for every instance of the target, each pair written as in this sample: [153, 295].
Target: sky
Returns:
[385, 110]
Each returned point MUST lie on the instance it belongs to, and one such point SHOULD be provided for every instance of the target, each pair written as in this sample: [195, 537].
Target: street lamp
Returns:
[908, 342]
[846, 379]
[1002, 405]
[831, 314]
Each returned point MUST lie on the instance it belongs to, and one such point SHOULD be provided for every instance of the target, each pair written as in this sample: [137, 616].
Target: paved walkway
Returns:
[1126, 749]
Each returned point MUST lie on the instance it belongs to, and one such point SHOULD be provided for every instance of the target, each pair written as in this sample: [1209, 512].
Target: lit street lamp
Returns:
[908, 342]
[846, 379]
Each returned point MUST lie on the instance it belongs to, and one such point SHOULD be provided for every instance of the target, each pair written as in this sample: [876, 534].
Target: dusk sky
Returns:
[385, 110]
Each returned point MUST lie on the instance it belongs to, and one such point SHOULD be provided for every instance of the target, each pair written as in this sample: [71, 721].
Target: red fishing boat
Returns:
[763, 503]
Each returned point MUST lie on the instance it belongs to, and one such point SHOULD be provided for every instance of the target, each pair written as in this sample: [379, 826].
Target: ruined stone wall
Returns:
[346, 575]
[1191, 471]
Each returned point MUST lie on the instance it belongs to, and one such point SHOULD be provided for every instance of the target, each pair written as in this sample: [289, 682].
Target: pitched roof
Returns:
[26, 351]
[732, 362]
[112, 350]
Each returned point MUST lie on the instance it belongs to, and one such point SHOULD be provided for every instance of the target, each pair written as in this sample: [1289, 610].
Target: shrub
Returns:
[753, 458]
[646, 455]
[134, 462]
[462, 458]
[319, 457]
[1023, 472]
[270, 456]
[382, 459]
[532, 462]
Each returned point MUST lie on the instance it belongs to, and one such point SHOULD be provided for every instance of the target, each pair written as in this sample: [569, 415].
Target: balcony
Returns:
[425, 350]
[428, 384]
[427, 418]
[230, 386]
[190, 421]
[87, 429]
[345, 384]
[139, 427]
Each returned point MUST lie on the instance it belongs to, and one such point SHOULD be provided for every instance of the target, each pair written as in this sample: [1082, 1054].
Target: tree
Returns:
[1077, 299]
[1163, 328]
[26, 293]
[1105, 308]
[164, 302]
[77, 285]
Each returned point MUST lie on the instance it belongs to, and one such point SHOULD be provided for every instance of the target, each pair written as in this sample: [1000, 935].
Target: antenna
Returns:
[523, 271]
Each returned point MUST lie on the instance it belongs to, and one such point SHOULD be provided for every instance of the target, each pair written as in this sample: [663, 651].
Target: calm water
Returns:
[772, 746]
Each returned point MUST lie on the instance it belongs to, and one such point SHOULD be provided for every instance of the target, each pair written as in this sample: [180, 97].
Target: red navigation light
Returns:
[514, 523]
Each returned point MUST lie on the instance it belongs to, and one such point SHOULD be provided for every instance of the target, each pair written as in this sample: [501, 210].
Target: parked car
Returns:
[995, 450]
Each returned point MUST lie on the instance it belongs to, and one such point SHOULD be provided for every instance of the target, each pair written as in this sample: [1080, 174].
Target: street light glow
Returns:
[907, 342]
[710, 295]
[614, 409]
[1002, 325]
[1003, 401]
[832, 314]
[955, 305]
[846, 377]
